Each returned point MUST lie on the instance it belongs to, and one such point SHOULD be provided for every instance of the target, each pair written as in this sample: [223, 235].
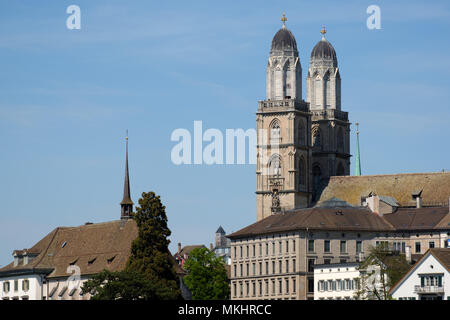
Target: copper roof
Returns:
[318, 218]
[435, 186]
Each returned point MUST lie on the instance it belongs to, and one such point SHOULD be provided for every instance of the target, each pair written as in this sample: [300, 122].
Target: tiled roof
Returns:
[318, 218]
[418, 218]
[187, 249]
[350, 219]
[435, 186]
[92, 247]
[443, 256]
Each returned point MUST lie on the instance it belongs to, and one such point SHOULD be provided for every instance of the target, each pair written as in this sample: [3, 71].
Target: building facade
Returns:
[274, 258]
[428, 279]
[338, 281]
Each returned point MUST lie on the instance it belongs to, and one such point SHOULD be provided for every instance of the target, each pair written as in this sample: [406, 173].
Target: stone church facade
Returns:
[301, 144]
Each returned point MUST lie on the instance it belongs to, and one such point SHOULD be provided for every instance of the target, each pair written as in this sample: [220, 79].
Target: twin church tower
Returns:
[300, 143]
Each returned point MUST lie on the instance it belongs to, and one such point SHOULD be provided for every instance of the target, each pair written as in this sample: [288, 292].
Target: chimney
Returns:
[179, 247]
[417, 195]
[408, 254]
[373, 202]
[419, 202]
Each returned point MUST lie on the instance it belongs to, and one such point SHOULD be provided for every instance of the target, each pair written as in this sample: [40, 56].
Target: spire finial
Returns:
[126, 204]
[323, 31]
[358, 156]
[284, 19]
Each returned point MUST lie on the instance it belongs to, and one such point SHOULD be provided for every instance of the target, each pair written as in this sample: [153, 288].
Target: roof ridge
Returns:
[390, 174]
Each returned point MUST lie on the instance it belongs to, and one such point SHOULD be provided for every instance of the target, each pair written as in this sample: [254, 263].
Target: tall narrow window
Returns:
[317, 139]
[358, 246]
[326, 246]
[301, 172]
[417, 247]
[340, 140]
[275, 132]
[301, 133]
[310, 265]
[310, 245]
[343, 246]
[318, 91]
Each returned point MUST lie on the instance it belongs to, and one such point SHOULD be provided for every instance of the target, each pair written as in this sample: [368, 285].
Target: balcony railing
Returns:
[428, 289]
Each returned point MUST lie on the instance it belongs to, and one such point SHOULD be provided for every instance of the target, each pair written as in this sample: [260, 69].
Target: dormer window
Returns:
[91, 262]
[73, 262]
[110, 260]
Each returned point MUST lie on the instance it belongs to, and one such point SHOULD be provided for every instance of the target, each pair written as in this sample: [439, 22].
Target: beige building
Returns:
[274, 258]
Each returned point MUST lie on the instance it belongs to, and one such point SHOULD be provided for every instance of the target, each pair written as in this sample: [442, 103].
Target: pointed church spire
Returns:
[358, 157]
[126, 204]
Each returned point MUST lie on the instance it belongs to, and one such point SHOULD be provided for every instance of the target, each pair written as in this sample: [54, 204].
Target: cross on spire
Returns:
[284, 19]
[323, 31]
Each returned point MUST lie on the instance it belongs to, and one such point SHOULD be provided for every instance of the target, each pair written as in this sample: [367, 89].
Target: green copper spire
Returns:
[358, 156]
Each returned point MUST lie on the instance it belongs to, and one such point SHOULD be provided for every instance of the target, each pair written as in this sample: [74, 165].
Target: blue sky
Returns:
[67, 97]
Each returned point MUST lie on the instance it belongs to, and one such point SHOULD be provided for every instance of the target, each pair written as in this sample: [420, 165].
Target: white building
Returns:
[337, 281]
[428, 279]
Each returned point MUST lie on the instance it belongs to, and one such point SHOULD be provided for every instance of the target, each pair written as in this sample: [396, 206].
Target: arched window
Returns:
[275, 165]
[317, 139]
[302, 172]
[318, 91]
[301, 133]
[316, 176]
[340, 140]
[275, 132]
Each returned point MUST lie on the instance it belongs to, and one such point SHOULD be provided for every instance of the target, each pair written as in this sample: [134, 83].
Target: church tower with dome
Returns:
[300, 143]
[330, 130]
[283, 120]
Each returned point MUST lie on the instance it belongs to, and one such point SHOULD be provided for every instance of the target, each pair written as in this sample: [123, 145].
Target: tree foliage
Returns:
[379, 272]
[122, 285]
[149, 273]
[207, 277]
[149, 251]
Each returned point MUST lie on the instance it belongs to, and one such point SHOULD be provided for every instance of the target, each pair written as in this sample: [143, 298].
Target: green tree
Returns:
[149, 251]
[149, 273]
[379, 272]
[122, 285]
[207, 277]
